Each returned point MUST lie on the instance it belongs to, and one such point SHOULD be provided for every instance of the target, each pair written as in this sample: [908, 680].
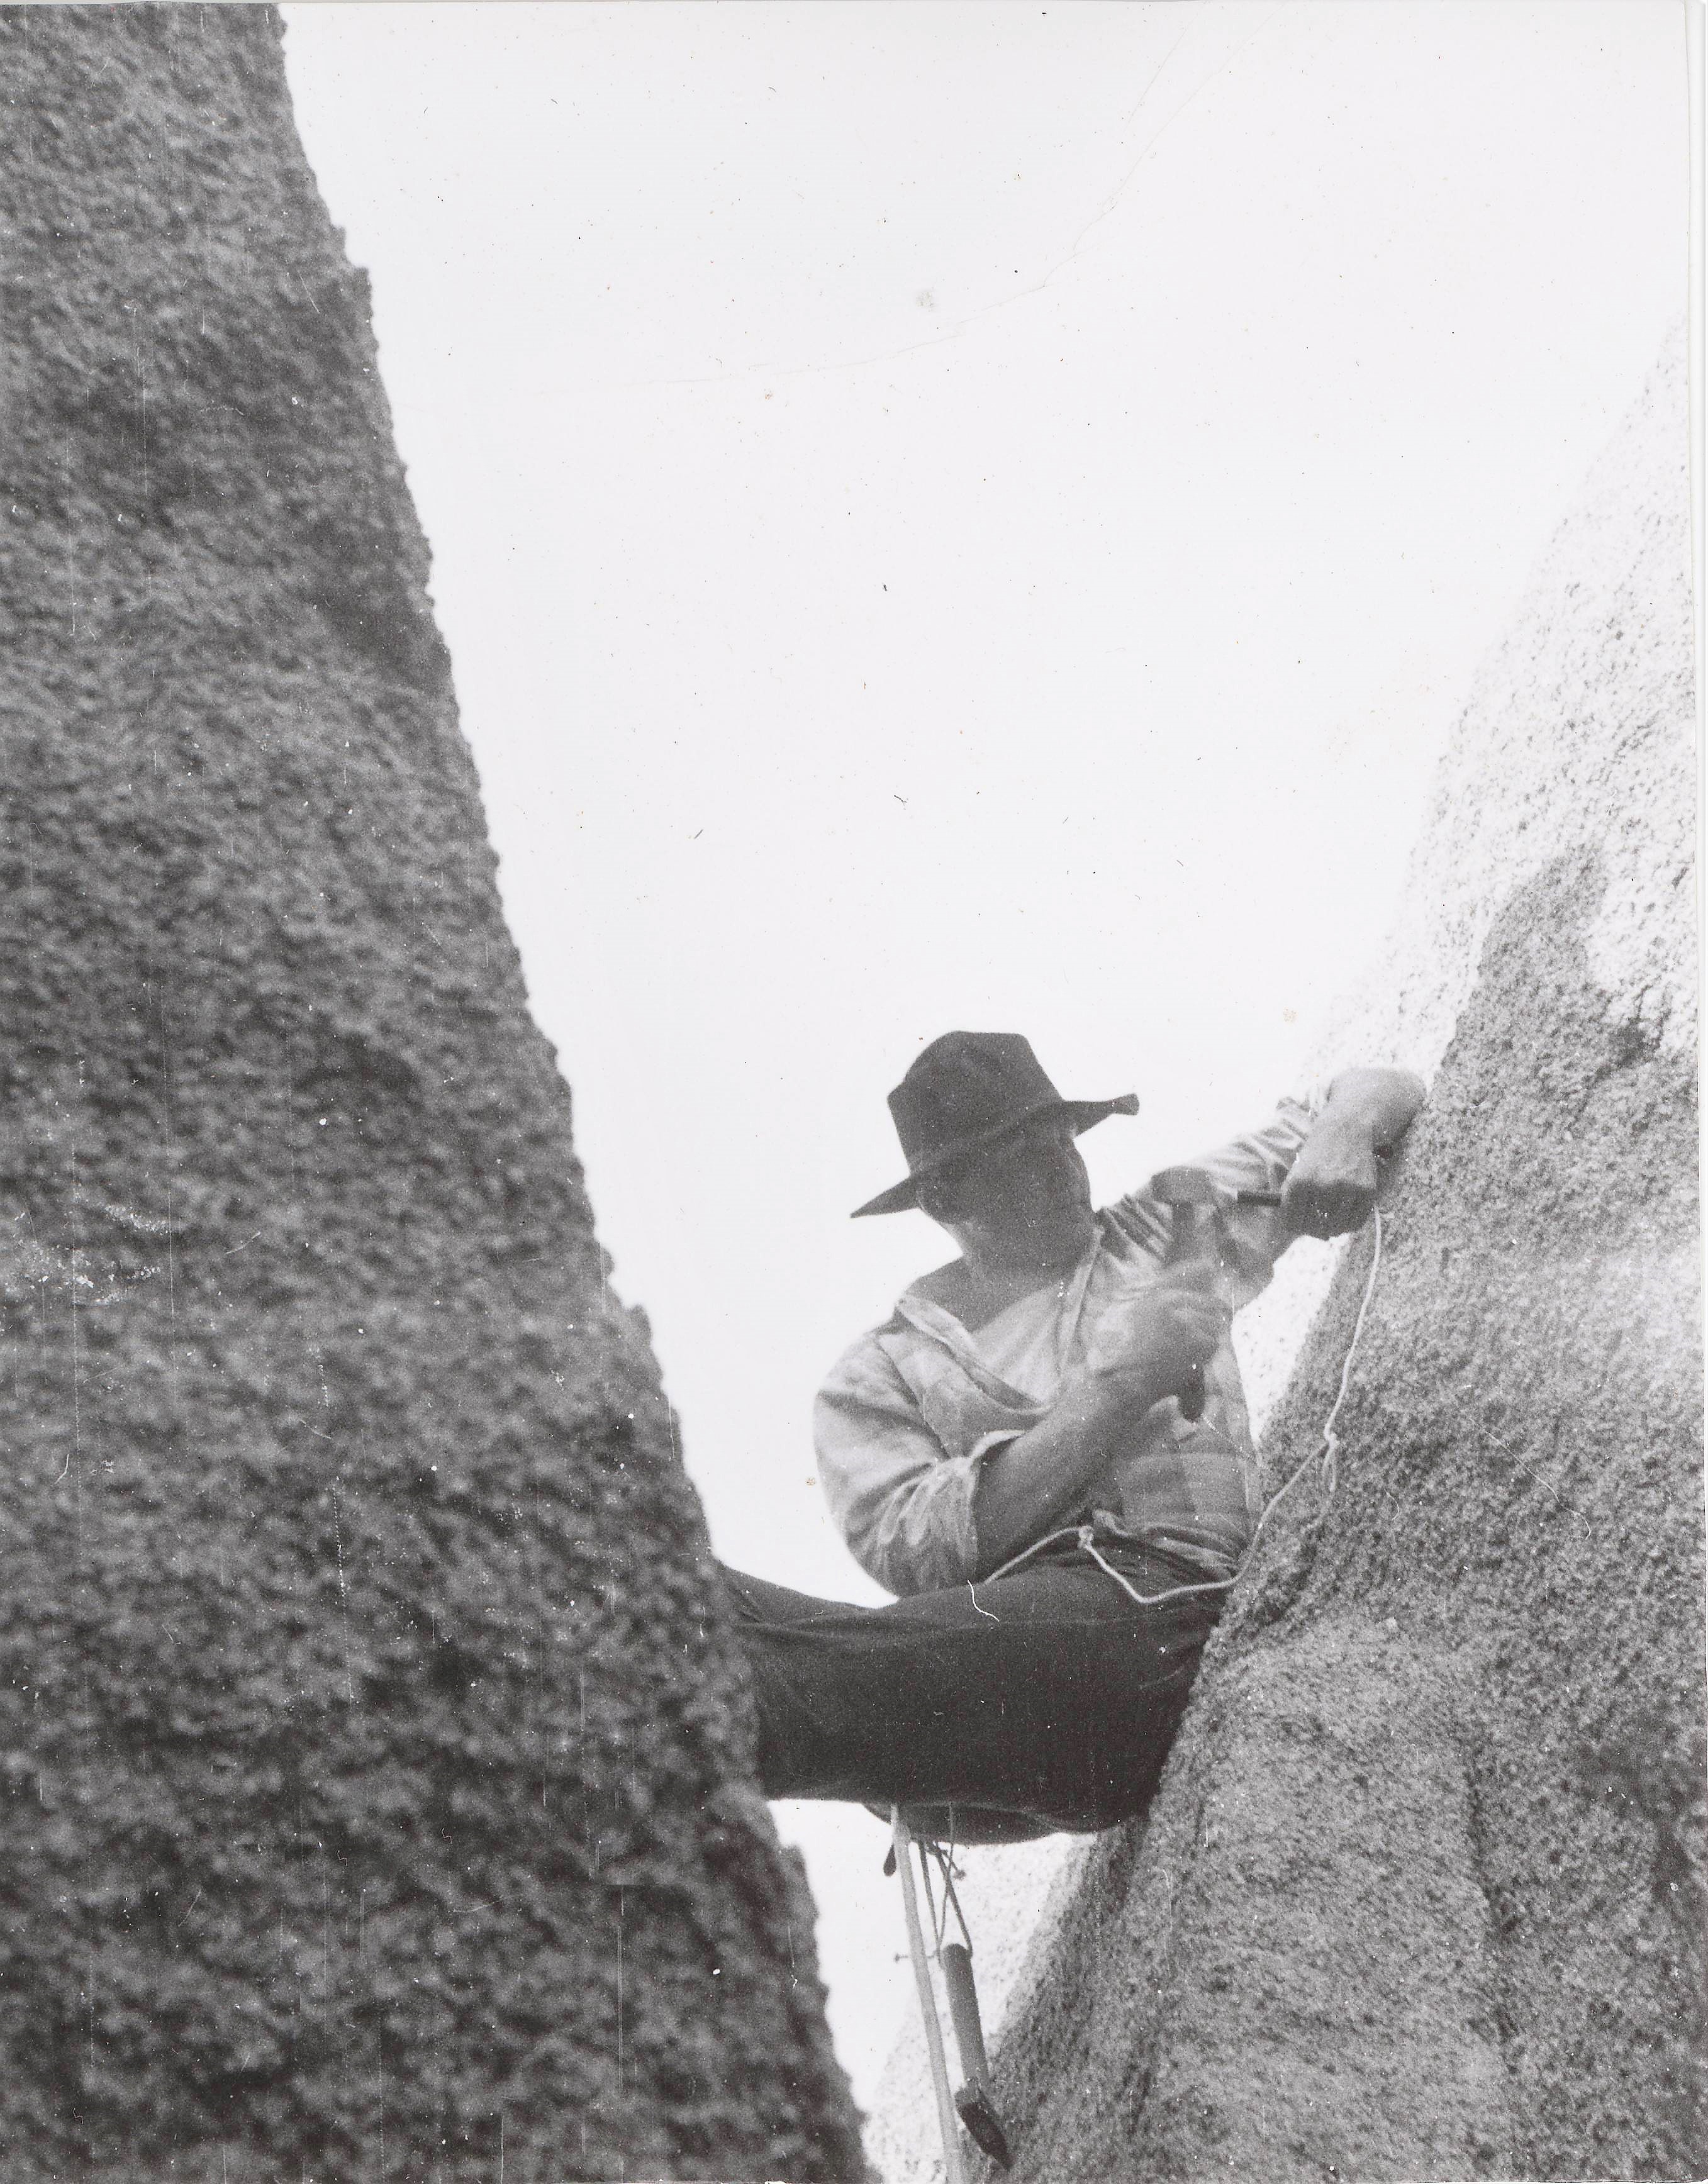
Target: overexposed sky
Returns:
[966, 514]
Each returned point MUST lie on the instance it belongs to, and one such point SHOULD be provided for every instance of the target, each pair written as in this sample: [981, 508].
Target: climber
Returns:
[1008, 1454]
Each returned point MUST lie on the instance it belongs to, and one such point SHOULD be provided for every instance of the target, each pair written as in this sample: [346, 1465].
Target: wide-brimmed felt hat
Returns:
[965, 1091]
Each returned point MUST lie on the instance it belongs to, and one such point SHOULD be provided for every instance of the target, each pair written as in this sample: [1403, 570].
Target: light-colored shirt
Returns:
[912, 1410]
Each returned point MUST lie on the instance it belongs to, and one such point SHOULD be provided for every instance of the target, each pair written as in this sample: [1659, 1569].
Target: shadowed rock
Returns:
[373, 1770]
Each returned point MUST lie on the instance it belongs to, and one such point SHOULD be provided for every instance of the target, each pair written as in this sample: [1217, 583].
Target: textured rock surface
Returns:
[1421, 1896]
[373, 1798]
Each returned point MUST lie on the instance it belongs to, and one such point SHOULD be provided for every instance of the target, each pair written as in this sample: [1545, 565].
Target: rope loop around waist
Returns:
[1084, 1538]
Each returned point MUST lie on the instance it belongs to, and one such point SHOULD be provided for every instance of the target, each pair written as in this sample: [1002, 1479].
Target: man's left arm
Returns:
[1332, 1184]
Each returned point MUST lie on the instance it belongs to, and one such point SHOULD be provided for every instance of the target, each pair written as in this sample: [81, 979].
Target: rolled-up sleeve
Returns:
[901, 1502]
[1261, 1160]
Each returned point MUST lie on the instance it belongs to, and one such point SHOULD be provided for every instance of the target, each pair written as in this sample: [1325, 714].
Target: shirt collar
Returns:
[942, 1326]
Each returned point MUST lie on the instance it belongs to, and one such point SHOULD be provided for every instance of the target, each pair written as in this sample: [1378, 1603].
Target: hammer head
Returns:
[984, 2127]
[1194, 1186]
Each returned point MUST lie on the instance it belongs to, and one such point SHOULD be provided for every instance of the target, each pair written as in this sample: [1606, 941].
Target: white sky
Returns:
[970, 515]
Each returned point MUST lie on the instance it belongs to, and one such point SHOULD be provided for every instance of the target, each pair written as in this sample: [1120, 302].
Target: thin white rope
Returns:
[936, 1923]
[1330, 1439]
[951, 1902]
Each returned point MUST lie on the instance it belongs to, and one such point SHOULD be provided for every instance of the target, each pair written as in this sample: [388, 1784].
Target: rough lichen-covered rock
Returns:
[373, 1765]
[1421, 1895]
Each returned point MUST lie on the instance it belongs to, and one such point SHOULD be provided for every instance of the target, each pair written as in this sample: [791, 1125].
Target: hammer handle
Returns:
[956, 1961]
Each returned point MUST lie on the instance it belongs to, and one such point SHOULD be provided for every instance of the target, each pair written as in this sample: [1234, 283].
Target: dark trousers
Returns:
[1043, 1700]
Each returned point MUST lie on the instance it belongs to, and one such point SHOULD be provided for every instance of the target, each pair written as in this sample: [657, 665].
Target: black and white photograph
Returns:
[849, 1273]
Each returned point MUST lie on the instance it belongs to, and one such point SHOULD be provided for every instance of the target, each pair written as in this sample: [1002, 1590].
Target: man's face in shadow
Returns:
[1022, 1203]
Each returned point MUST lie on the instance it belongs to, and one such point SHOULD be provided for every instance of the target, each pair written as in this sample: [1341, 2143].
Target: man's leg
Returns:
[1048, 1693]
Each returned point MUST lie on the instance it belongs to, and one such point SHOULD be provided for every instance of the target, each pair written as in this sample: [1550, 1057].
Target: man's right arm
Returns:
[1031, 1484]
[901, 1502]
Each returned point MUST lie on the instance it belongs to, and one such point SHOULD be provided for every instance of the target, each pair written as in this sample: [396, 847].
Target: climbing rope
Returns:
[1328, 1446]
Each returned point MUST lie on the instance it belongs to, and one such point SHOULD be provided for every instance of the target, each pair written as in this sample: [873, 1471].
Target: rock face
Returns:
[1421, 1896]
[373, 1768]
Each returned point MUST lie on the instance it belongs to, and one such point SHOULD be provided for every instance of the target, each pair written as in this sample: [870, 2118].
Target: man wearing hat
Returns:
[1044, 1453]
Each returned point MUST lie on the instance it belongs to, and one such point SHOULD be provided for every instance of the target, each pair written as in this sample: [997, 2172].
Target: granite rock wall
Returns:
[1421, 1895]
[373, 1767]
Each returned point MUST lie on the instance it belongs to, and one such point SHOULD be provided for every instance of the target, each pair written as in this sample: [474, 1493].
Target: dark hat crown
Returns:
[966, 1089]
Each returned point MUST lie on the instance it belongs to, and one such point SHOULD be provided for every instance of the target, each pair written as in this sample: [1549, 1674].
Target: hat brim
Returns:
[1083, 1114]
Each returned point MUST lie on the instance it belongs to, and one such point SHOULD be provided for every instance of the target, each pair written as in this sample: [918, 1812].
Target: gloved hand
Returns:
[1332, 1187]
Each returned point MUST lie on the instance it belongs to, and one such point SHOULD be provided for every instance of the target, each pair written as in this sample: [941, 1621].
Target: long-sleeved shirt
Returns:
[911, 1411]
